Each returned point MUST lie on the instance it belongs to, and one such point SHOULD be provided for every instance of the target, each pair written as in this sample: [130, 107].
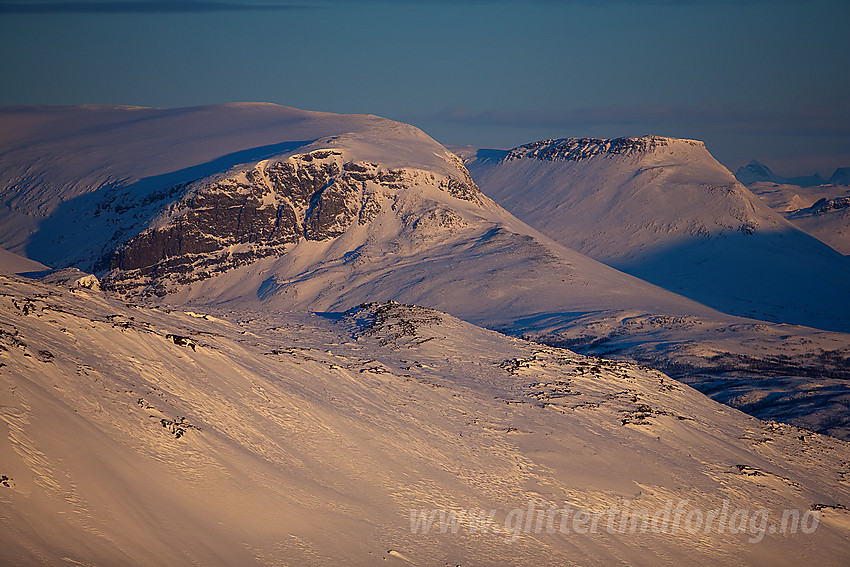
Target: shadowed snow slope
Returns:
[666, 211]
[390, 435]
[14, 264]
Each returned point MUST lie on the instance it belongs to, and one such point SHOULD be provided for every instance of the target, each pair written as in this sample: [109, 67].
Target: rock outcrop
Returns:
[242, 216]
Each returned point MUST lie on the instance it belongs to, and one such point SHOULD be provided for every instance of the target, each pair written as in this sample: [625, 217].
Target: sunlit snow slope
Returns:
[11, 263]
[135, 436]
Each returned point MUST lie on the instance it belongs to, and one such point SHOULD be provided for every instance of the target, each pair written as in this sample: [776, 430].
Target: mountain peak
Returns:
[841, 176]
[667, 212]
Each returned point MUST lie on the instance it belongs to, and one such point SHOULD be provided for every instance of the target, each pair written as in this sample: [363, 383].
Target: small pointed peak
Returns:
[841, 176]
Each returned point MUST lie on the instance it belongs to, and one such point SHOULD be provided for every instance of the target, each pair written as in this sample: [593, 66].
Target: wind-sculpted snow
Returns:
[388, 434]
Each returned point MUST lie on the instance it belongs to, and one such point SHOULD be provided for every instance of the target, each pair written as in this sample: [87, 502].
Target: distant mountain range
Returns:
[754, 172]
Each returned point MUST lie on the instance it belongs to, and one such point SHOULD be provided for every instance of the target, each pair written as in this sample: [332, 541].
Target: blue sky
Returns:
[764, 79]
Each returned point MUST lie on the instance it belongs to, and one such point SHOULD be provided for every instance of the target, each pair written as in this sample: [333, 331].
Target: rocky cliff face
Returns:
[234, 219]
[576, 149]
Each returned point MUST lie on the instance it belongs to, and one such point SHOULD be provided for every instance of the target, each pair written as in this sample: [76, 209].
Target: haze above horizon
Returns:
[753, 79]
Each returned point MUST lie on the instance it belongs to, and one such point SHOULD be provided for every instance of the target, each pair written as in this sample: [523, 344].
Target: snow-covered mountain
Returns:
[795, 199]
[755, 172]
[365, 208]
[389, 434]
[841, 176]
[54, 155]
[667, 212]
[334, 211]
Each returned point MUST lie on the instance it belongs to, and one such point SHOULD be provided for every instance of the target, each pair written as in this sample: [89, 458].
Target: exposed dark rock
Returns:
[177, 427]
[181, 341]
[333, 209]
[393, 324]
[575, 149]
[221, 223]
[826, 205]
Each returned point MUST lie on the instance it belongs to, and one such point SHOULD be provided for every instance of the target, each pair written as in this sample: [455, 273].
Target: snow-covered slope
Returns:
[820, 211]
[827, 220]
[792, 374]
[666, 211]
[136, 436]
[372, 211]
[785, 198]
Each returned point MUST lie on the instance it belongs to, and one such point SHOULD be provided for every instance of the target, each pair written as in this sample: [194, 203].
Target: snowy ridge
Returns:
[136, 436]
